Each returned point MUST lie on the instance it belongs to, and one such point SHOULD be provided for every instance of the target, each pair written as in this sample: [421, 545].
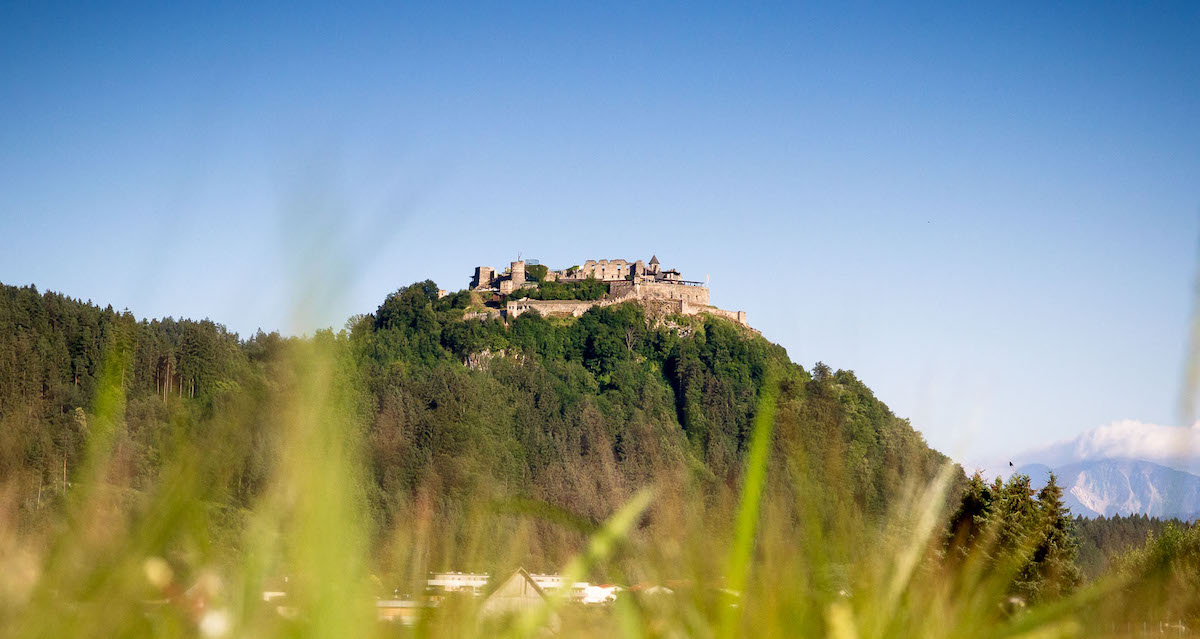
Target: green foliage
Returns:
[1102, 539]
[536, 272]
[1162, 578]
[1053, 571]
[539, 407]
[1027, 536]
[409, 308]
[589, 289]
[454, 301]
[400, 445]
[53, 352]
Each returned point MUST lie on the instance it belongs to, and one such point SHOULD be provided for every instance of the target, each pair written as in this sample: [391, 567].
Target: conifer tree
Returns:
[1057, 549]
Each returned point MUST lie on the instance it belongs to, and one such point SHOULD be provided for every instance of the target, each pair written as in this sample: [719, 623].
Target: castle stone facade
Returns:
[643, 282]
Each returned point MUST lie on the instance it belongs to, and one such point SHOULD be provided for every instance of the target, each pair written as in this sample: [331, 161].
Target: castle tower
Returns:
[483, 277]
[517, 272]
[639, 271]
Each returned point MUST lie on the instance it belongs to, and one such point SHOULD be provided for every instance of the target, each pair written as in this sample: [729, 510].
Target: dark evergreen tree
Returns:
[1055, 552]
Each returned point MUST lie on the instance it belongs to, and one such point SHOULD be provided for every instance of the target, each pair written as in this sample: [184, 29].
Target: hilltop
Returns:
[426, 437]
[526, 286]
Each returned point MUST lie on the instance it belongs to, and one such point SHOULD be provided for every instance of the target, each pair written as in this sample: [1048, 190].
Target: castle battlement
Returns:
[646, 283]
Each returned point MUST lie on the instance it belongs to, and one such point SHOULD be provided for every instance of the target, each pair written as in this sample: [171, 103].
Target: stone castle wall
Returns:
[734, 316]
[697, 295]
[604, 270]
[483, 277]
[658, 290]
[547, 308]
[664, 298]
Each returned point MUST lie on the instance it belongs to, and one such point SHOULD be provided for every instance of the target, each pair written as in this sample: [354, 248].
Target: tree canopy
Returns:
[577, 413]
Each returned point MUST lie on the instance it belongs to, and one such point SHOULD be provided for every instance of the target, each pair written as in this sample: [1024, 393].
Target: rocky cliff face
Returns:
[1123, 486]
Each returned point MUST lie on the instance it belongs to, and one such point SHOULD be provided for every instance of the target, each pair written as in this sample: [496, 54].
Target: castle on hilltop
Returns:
[646, 283]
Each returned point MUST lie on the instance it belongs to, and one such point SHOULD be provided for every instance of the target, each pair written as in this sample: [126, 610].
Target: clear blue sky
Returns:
[989, 212]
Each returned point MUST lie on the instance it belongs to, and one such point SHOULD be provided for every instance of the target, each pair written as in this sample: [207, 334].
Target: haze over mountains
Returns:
[1171, 446]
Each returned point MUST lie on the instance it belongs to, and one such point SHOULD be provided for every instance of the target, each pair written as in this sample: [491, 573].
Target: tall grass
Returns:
[125, 563]
[786, 552]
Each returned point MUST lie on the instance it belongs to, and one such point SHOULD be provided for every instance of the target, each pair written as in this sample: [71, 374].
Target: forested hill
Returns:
[577, 413]
[52, 350]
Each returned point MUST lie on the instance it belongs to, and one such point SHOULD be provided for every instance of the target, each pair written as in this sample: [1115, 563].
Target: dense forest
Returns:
[564, 418]
[1008, 522]
[52, 352]
[575, 413]
[1103, 539]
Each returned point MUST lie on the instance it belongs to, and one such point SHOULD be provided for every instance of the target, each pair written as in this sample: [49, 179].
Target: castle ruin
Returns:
[645, 283]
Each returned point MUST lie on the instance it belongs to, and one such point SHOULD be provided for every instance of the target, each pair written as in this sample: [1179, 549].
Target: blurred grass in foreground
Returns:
[126, 563]
[786, 551]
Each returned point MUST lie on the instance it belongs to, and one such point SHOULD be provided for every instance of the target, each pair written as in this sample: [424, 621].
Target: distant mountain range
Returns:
[1123, 486]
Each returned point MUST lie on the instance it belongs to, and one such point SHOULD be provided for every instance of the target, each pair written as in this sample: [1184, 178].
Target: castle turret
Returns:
[517, 272]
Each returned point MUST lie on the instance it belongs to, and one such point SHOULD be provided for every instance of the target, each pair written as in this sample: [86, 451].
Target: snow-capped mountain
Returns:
[1123, 486]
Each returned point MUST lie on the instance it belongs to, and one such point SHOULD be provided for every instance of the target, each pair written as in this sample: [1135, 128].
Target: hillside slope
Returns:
[456, 414]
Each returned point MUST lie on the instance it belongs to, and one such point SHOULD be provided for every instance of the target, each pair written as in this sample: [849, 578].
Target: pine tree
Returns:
[970, 519]
[1054, 556]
